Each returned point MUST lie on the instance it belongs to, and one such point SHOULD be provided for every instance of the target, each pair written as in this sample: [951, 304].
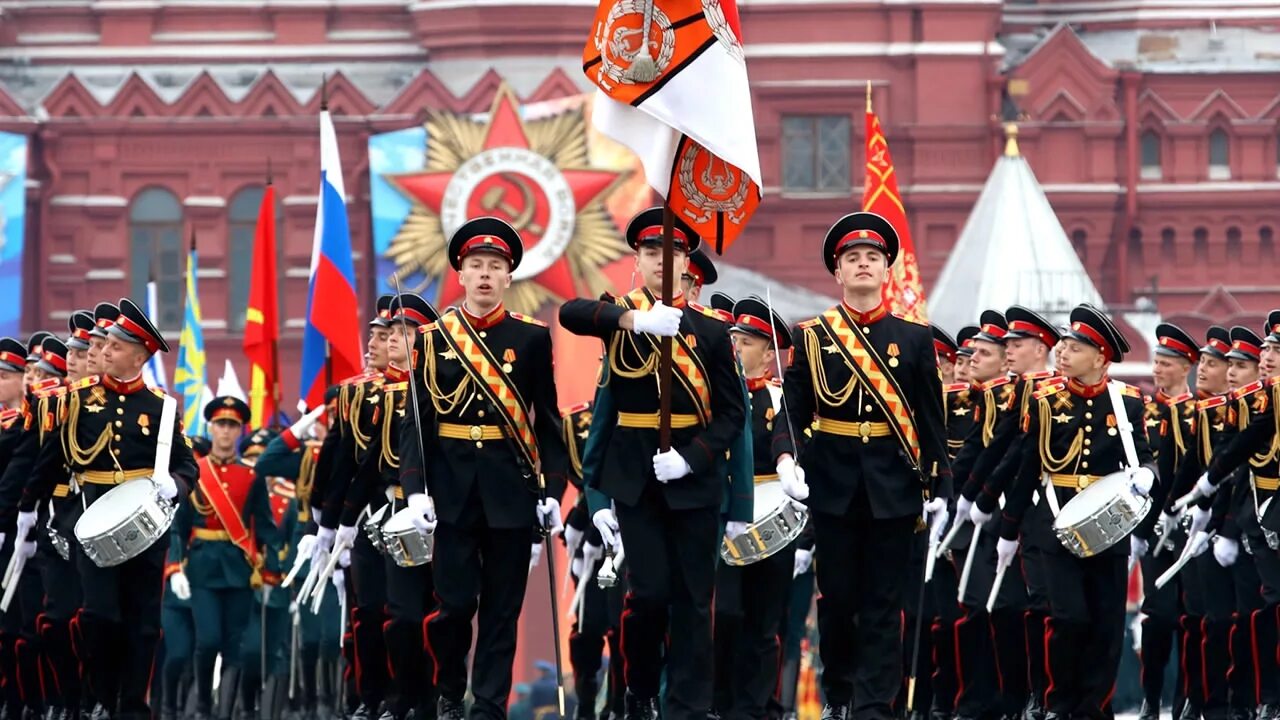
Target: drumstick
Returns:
[1182, 561]
[995, 587]
[16, 563]
[317, 594]
[298, 562]
[930, 559]
[580, 593]
[951, 535]
[968, 565]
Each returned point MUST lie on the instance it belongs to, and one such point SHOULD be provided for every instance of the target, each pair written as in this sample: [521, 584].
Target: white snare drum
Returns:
[372, 526]
[778, 522]
[402, 541]
[124, 522]
[1100, 516]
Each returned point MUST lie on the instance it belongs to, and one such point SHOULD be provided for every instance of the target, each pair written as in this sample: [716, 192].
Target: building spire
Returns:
[1011, 139]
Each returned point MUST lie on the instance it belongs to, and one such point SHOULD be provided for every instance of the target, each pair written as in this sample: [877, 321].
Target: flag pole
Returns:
[664, 348]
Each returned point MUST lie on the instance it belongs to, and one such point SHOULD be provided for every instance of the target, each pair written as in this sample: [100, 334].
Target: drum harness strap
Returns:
[1125, 429]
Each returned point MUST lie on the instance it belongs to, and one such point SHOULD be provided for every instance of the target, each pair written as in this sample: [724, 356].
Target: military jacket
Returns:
[1170, 422]
[359, 415]
[203, 544]
[959, 411]
[997, 464]
[380, 469]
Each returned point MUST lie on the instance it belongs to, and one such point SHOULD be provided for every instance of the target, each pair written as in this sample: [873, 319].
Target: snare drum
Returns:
[406, 546]
[1100, 516]
[372, 526]
[778, 522]
[124, 522]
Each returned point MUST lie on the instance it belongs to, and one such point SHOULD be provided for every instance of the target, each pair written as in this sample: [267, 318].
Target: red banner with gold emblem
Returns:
[904, 293]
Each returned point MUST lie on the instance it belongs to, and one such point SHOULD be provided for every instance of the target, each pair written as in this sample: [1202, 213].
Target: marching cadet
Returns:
[35, 344]
[723, 305]
[750, 599]
[669, 506]
[700, 273]
[877, 455]
[410, 591]
[359, 403]
[485, 371]
[15, 463]
[104, 316]
[109, 437]
[964, 354]
[217, 539]
[1076, 428]
[1174, 411]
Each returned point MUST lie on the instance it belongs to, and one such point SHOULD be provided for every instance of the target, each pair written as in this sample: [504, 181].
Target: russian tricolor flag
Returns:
[332, 333]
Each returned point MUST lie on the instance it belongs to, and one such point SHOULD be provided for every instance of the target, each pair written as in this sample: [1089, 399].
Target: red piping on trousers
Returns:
[426, 641]
[1048, 666]
[1204, 659]
[955, 639]
[1253, 645]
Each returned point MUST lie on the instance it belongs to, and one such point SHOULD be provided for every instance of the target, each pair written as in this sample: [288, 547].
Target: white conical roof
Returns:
[1012, 251]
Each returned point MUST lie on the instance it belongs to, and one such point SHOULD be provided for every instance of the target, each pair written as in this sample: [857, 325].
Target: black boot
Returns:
[447, 709]
[227, 689]
[1148, 711]
[835, 712]
[636, 708]
[1034, 709]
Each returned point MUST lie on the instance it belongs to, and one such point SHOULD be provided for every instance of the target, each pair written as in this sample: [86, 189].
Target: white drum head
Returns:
[399, 522]
[1089, 501]
[768, 497]
[108, 511]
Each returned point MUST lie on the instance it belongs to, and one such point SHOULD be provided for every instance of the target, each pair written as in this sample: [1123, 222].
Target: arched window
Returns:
[1168, 246]
[1235, 248]
[1200, 245]
[1150, 146]
[1219, 155]
[1135, 248]
[1266, 247]
[1080, 241]
[156, 253]
[242, 224]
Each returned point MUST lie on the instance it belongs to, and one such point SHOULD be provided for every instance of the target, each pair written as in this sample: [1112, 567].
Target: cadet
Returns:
[15, 415]
[217, 539]
[488, 416]
[878, 454]
[700, 273]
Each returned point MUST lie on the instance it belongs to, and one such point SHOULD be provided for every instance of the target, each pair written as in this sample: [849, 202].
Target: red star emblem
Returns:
[512, 196]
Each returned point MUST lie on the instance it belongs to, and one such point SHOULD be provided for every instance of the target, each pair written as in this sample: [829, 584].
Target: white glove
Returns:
[1204, 488]
[936, 514]
[669, 465]
[591, 555]
[575, 567]
[977, 516]
[1199, 520]
[535, 554]
[26, 521]
[1199, 543]
[792, 477]
[306, 545]
[804, 559]
[339, 580]
[734, 529]
[165, 485]
[549, 516]
[320, 550]
[344, 560]
[345, 537]
[424, 512]
[607, 523]
[1141, 480]
[660, 320]
[573, 539]
[1005, 552]
[180, 585]
[1137, 546]
[964, 508]
[1225, 551]
[304, 423]
[26, 550]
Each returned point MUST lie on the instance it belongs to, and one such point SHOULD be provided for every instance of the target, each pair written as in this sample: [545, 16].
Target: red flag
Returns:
[672, 87]
[262, 318]
[904, 293]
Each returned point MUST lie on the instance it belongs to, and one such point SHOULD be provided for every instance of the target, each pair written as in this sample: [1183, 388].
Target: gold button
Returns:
[1085, 451]
[476, 432]
[1088, 441]
[119, 423]
[864, 430]
[1089, 402]
[1084, 481]
[484, 334]
[1085, 464]
[479, 444]
[481, 413]
[115, 451]
[1088, 428]
[867, 408]
[866, 330]
[116, 438]
[119, 411]
[121, 398]
[1088, 416]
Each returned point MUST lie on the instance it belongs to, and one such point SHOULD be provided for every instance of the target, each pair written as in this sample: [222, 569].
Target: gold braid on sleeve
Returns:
[818, 371]
[71, 449]
[389, 456]
[353, 422]
[989, 413]
[305, 481]
[444, 403]
[1054, 464]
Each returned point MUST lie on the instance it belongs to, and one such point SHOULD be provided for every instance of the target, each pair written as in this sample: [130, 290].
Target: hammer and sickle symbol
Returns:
[522, 218]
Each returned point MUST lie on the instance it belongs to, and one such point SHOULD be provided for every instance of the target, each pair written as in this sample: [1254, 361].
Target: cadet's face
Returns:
[1211, 375]
[93, 357]
[1170, 372]
[1077, 359]
[1270, 364]
[37, 374]
[11, 384]
[947, 369]
[376, 353]
[1057, 357]
[861, 269]
[963, 367]
[484, 277]
[76, 360]
[395, 346]
[649, 265]
[29, 373]
[224, 434]
[123, 360]
[1025, 354]
[988, 361]
[692, 291]
[1241, 373]
[754, 353]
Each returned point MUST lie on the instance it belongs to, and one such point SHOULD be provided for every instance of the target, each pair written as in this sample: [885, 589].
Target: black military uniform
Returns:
[109, 437]
[1073, 439]
[1169, 418]
[410, 590]
[15, 466]
[672, 528]
[879, 448]
[482, 379]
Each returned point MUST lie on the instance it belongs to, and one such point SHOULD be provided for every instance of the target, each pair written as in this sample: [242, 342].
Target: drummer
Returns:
[110, 436]
[750, 599]
[1073, 439]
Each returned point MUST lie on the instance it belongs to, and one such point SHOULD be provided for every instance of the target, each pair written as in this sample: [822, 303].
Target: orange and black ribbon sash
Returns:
[693, 377]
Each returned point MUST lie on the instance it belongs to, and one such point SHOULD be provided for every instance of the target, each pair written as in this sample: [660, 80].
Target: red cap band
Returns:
[1247, 348]
[414, 315]
[994, 331]
[491, 243]
[944, 350]
[104, 323]
[1030, 328]
[1219, 345]
[1094, 337]
[57, 361]
[13, 359]
[755, 323]
[1181, 347]
[654, 232]
[226, 414]
[864, 237]
[696, 273]
[139, 332]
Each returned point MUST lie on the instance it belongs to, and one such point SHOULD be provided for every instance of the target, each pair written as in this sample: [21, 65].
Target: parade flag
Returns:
[672, 87]
[189, 375]
[229, 384]
[904, 293]
[262, 318]
[331, 337]
[153, 373]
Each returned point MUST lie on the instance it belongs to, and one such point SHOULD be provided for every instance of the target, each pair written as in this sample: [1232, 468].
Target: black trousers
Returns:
[369, 580]
[1036, 614]
[1160, 608]
[1191, 633]
[121, 625]
[1217, 590]
[1247, 663]
[1085, 630]
[1263, 622]
[410, 597]
[597, 625]
[944, 586]
[61, 585]
[991, 648]
[671, 570]
[922, 654]
[478, 570]
[861, 583]
[749, 604]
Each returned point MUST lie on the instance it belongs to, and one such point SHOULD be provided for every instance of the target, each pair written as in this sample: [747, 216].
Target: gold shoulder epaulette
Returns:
[1050, 387]
[45, 387]
[709, 312]
[567, 412]
[429, 327]
[1131, 391]
[396, 387]
[955, 387]
[1179, 399]
[357, 379]
[995, 383]
[809, 323]
[159, 393]
[525, 318]
[7, 417]
[1211, 402]
[1247, 390]
[907, 319]
[1037, 375]
[1272, 381]
[85, 382]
